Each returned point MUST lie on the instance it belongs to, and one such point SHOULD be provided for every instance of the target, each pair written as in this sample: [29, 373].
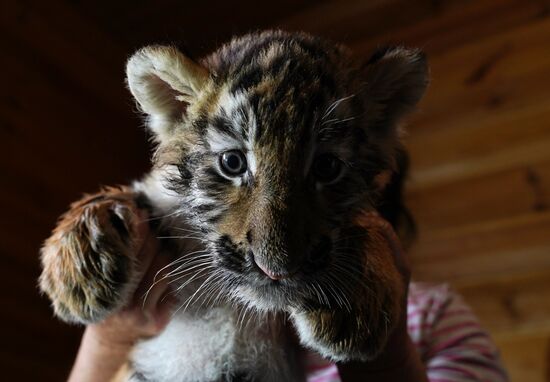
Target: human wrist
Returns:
[99, 357]
[105, 340]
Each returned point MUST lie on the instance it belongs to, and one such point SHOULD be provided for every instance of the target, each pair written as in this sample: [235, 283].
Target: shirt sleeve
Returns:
[449, 337]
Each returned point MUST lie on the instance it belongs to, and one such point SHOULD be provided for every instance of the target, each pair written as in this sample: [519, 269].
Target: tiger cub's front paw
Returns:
[359, 330]
[88, 262]
[341, 335]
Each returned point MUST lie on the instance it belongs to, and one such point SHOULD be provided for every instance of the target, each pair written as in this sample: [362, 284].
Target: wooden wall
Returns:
[480, 143]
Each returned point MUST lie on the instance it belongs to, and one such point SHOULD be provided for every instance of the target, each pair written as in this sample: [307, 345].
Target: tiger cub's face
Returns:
[272, 145]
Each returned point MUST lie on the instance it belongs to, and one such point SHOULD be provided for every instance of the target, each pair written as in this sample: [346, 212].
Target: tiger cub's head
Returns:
[271, 146]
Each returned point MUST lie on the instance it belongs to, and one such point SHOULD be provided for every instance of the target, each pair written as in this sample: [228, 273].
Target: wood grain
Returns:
[480, 144]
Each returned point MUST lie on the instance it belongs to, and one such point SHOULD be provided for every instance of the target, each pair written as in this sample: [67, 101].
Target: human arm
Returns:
[106, 346]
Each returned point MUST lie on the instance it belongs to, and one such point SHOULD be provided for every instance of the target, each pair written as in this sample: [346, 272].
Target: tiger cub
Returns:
[266, 151]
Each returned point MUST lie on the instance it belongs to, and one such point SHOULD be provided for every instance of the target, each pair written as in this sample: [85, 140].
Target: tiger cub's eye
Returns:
[327, 168]
[233, 162]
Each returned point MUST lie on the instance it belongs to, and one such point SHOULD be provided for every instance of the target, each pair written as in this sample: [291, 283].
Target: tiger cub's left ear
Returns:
[396, 79]
[165, 83]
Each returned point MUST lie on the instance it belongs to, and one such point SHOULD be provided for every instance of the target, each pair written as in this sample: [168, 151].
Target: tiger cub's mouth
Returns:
[324, 278]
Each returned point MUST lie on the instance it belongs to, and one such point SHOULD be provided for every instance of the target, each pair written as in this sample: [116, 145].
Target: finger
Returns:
[147, 253]
[142, 221]
[164, 309]
[157, 301]
[154, 282]
[154, 294]
[134, 217]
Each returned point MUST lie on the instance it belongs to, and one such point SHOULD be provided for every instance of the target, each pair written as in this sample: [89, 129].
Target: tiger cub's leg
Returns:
[377, 302]
[89, 261]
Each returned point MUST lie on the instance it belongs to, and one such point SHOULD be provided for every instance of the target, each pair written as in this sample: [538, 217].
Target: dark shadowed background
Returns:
[480, 144]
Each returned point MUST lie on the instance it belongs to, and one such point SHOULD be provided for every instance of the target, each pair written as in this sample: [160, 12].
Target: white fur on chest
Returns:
[207, 346]
[191, 348]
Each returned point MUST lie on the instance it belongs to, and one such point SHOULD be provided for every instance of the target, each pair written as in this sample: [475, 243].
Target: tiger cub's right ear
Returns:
[165, 83]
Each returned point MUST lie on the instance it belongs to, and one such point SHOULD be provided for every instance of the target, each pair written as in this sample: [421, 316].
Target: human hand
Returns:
[106, 345]
[149, 309]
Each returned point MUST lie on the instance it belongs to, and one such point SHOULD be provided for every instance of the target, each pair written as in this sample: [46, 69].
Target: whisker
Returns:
[189, 299]
[185, 230]
[178, 260]
[335, 104]
[179, 275]
[213, 284]
[181, 237]
[169, 275]
[162, 217]
[334, 121]
[192, 278]
[189, 265]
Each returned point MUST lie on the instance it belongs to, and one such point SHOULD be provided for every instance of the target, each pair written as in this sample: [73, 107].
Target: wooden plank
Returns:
[502, 71]
[516, 311]
[200, 27]
[526, 359]
[19, 366]
[512, 306]
[483, 141]
[64, 117]
[484, 250]
[506, 157]
[60, 143]
[468, 129]
[480, 146]
[67, 40]
[76, 125]
[451, 25]
[435, 26]
[347, 20]
[35, 339]
[497, 195]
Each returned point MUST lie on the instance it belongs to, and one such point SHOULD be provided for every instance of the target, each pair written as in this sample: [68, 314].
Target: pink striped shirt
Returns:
[448, 336]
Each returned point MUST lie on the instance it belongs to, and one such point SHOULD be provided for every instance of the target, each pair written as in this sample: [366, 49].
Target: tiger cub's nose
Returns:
[280, 275]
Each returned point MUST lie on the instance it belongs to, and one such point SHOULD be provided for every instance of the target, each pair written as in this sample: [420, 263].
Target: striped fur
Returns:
[283, 100]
